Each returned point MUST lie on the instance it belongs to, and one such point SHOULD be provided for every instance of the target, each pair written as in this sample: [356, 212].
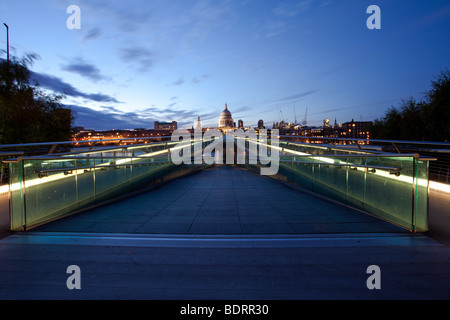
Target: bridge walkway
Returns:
[224, 233]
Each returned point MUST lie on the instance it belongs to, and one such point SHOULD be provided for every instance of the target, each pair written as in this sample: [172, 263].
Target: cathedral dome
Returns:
[226, 120]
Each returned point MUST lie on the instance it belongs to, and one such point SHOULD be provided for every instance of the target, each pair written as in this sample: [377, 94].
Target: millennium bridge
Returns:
[138, 225]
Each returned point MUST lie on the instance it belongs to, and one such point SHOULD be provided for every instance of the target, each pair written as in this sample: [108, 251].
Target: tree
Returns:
[27, 113]
[424, 120]
[437, 109]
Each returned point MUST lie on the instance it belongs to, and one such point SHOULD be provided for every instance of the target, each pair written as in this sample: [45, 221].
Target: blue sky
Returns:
[137, 61]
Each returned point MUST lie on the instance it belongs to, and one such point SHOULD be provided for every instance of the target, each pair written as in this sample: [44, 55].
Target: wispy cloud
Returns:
[111, 117]
[93, 33]
[282, 18]
[126, 16]
[194, 80]
[294, 96]
[59, 86]
[206, 16]
[85, 69]
[291, 8]
[108, 119]
[178, 82]
[138, 56]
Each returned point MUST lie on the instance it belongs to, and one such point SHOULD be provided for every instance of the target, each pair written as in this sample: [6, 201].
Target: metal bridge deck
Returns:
[223, 233]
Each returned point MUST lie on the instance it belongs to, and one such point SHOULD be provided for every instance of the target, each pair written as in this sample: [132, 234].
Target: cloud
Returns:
[207, 16]
[59, 86]
[283, 18]
[179, 82]
[110, 117]
[196, 80]
[104, 120]
[295, 96]
[93, 33]
[289, 9]
[241, 109]
[127, 17]
[85, 69]
[142, 57]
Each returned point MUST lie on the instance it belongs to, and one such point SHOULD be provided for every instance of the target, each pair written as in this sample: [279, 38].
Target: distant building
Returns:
[165, 125]
[119, 134]
[77, 129]
[261, 124]
[198, 125]
[240, 123]
[226, 120]
[356, 129]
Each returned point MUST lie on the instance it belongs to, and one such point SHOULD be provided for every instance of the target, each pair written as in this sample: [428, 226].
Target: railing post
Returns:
[415, 174]
[23, 196]
[94, 181]
[346, 181]
[76, 182]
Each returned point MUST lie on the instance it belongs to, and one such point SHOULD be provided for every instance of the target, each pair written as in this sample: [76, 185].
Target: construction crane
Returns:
[304, 120]
[281, 114]
[295, 115]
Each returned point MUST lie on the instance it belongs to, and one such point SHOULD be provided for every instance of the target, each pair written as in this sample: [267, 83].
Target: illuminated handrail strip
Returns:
[58, 143]
[385, 155]
[436, 143]
[100, 166]
[344, 165]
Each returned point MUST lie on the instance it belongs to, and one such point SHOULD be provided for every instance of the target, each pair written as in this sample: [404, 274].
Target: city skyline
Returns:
[130, 65]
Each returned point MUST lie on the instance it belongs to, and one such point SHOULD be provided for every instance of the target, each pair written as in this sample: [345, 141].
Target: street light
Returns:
[7, 42]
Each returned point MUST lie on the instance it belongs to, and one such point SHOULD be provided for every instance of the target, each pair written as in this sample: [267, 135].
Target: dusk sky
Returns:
[133, 62]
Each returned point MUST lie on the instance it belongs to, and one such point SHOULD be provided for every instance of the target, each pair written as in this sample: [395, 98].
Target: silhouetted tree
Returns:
[27, 113]
[424, 120]
[437, 108]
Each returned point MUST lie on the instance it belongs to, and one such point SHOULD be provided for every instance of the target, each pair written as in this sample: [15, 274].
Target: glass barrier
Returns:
[393, 188]
[44, 188]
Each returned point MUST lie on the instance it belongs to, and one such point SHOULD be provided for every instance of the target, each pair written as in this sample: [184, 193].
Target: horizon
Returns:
[130, 65]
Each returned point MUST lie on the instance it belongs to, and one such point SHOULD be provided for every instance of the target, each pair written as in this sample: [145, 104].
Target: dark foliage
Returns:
[27, 113]
[427, 120]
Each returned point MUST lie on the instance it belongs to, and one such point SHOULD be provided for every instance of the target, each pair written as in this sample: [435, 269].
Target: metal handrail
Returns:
[437, 143]
[39, 144]
[44, 172]
[384, 155]
[402, 155]
[345, 165]
[90, 143]
[75, 158]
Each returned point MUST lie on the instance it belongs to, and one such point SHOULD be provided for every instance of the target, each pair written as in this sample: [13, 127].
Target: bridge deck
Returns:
[223, 200]
[324, 251]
